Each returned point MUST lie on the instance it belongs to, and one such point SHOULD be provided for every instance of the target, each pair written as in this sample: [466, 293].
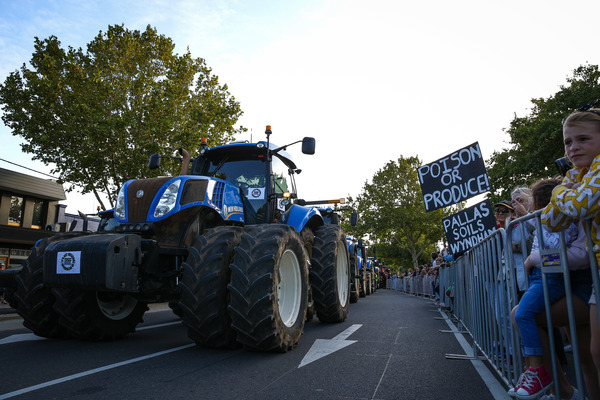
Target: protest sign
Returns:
[454, 178]
[468, 227]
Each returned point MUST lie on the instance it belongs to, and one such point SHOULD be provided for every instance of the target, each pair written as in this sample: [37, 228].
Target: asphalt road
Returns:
[390, 347]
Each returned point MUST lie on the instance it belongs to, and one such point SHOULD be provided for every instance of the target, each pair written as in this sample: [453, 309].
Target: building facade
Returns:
[30, 211]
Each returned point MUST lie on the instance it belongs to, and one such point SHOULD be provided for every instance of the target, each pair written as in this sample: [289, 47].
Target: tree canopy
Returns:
[98, 115]
[392, 215]
[536, 139]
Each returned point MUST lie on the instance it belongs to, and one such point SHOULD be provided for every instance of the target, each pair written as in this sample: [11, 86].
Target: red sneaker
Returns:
[535, 382]
[512, 392]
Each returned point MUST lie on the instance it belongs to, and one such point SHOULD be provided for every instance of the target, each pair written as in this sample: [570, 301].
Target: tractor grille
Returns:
[218, 194]
[138, 208]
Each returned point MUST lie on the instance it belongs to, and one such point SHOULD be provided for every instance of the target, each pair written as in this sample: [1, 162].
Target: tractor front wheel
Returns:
[269, 285]
[98, 315]
[32, 300]
[204, 295]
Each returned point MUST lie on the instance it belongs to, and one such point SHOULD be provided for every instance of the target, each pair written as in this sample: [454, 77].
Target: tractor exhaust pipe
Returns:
[185, 165]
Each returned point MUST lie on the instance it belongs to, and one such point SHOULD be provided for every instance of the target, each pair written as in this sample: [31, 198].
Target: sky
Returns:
[371, 81]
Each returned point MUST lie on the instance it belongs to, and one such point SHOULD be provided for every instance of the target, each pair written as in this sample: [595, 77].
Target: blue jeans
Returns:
[532, 304]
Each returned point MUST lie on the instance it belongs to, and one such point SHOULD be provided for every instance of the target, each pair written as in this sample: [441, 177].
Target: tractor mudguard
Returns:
[351, 247]
[300, 216]
[100, 262]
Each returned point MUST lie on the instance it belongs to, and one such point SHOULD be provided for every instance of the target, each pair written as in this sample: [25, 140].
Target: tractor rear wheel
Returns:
[355, 283]
[269, 285]
[204, 294]
[308, 237]
[330, 274]
[363, 283]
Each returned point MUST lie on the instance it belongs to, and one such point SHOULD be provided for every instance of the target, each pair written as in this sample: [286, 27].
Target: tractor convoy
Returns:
[227, 243]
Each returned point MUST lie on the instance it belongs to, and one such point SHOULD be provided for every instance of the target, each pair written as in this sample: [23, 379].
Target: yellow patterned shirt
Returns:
[570, 205]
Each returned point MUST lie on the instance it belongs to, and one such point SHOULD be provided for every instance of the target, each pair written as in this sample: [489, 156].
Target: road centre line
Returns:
[91, 372]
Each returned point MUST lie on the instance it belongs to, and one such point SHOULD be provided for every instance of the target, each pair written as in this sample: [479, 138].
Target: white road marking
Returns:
[158, 325]
[24, 337]
[91, 372]
[324, 347]
[493, 384]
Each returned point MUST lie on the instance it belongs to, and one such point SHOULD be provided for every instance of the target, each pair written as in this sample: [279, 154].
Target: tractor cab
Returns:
[265, 178]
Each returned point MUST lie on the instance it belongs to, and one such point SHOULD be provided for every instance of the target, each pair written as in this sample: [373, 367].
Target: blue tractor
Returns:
[364, 269]
[332, 216]
[225, 243]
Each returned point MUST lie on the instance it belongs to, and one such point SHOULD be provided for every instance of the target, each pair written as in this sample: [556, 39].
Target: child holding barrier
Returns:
[578, 198]
[536, 378]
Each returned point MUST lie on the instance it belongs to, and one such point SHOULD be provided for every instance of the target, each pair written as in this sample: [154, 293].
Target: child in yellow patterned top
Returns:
[578, 197]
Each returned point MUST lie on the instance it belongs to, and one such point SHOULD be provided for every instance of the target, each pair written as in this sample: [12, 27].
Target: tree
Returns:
[98, 115]
[392, 213]
[536, 139]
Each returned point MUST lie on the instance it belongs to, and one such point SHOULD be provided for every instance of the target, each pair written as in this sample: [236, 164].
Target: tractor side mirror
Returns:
[154, 161]
[353, 219]
[308, 145]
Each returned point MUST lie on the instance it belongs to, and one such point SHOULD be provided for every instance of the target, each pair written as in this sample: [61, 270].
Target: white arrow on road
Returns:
[324, 347]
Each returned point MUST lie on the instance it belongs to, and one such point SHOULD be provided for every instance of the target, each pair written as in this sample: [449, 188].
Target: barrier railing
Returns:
[480, 289]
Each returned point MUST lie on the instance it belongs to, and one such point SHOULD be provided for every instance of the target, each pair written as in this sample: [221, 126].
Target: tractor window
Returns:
[282, 182]
[250, 177]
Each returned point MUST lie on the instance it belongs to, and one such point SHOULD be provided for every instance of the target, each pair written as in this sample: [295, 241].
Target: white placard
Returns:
[256, 193]
[68, 262]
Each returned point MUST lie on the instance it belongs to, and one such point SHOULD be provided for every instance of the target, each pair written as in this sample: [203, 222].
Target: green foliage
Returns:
[392, 215]
[98, 115]
[536, 139]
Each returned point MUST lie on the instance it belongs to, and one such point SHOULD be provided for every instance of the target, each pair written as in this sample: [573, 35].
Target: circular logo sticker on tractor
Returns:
[139, 194]
[67, 261]
[256, 193]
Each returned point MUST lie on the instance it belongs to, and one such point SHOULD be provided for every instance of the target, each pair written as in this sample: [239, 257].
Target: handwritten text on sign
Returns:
[454, 178]
[468, 227]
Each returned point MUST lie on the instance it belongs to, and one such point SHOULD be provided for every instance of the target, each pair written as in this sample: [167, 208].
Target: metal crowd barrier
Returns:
[480, 290]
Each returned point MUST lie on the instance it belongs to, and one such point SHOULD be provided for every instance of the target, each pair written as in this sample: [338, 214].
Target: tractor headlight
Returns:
[119, 211]
[168, 200]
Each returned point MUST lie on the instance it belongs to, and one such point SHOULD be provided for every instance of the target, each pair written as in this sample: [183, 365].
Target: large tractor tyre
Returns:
[369, 283]
[204, 294]
[31, 299]
[363, 285]
[308, 237]
[269, 285]
[310, 305]
[330, 274]
[176, 308]
[95, 315]
[355, 279]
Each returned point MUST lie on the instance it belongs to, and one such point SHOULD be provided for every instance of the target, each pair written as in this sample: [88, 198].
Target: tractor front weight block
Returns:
[98, 262]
